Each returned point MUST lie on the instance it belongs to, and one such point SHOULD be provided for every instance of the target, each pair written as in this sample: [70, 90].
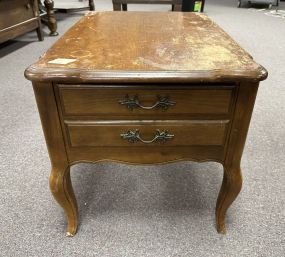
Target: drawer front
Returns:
[144, 101]
[146, 133]
[13, 12]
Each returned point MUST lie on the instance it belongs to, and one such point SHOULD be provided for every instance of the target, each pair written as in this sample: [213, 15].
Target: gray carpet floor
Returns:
[125, 210]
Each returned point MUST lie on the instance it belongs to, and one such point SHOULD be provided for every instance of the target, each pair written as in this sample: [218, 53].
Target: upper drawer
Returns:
[144, 100]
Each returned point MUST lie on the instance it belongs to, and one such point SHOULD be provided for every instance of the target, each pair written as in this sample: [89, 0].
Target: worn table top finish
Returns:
[115, 45]
[145, 88]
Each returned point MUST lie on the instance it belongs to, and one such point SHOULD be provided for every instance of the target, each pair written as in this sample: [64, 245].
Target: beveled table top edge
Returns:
[72, 75]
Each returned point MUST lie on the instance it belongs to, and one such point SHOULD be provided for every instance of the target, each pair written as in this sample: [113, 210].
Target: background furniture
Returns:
[47, 9]
[266, 2]
[145, 98]
[47, 6]
[74, 5]
[18, 17]
[119, 5]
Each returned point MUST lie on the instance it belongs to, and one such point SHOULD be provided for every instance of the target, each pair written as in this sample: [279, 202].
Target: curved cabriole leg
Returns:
[61, 188]
[231, 186]
[232, 180]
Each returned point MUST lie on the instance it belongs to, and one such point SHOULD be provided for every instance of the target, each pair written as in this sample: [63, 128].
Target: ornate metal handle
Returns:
[162, 102]
[134, 136]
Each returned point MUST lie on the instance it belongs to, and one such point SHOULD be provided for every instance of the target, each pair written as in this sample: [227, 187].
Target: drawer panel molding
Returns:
[95, 101]
[146, 133]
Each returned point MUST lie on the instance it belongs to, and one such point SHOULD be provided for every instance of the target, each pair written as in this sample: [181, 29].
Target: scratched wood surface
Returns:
[157, 44]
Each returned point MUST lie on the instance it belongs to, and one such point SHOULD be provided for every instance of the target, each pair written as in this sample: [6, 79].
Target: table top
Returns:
[145, 46]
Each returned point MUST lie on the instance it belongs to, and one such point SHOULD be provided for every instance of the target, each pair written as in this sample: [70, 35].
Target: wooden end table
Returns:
[145, 96]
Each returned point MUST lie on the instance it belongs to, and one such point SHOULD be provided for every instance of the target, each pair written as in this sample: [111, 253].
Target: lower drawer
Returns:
[146, 133]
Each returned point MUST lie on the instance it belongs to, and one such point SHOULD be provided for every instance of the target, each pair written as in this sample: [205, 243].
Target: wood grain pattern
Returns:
[185, 133]
[188, 47]
[232, 180]
[60, 183]
[100, 101]
[192, 62]
[146, 155]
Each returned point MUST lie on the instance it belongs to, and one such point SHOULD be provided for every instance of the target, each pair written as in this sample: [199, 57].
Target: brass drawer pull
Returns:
[134, 136]
[134, 102]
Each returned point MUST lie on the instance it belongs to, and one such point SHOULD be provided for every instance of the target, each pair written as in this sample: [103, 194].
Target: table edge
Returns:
[72, 75]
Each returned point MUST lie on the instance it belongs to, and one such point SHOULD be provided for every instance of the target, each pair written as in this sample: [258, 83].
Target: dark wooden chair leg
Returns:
[37, 13]
[117, 7]
[203, 5]
[177, 8]
[125, 7]
[91, 5]
[52, 24]
[40, 32]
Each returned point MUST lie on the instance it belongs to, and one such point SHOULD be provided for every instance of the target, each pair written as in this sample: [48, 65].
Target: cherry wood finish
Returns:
[107, 134]
[18, 17]
[87, 100]
[185, 92]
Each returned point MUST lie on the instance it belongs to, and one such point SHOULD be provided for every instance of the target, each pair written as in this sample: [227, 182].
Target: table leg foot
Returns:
[177, 7]
[61, 188]
[40, 34]
[124, 7]
[53, 34]
[68, 234]
[91, 5]
[117, 7]
[231, 186]
[221, 228]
